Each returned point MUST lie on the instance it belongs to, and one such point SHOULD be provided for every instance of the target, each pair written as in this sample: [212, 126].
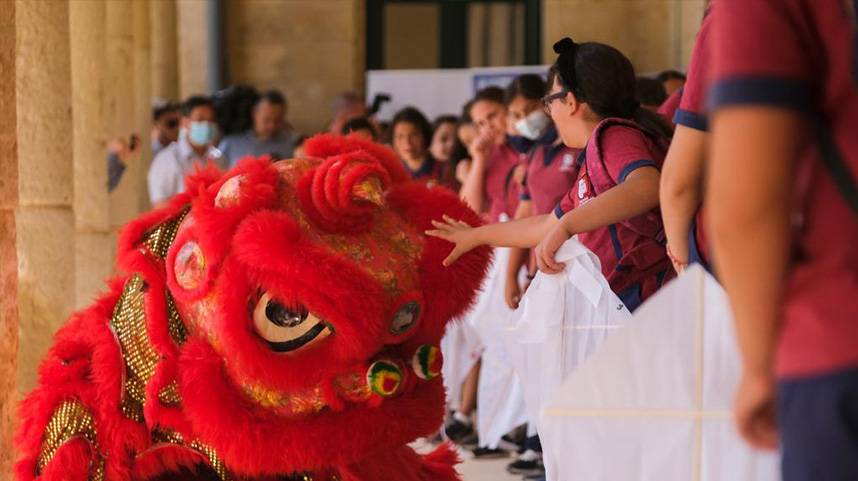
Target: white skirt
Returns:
[500, 399]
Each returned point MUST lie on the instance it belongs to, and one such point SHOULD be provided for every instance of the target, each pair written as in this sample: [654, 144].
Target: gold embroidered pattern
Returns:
[70, 420]
[369, 251]
[302, 403]
[159, 238]
[129, 326]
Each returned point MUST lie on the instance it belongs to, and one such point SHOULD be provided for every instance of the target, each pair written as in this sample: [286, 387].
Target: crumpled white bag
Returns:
[560, 321]
[653, 402]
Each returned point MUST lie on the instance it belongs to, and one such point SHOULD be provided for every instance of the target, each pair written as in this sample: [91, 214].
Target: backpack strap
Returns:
[836, 165]
[602, 180]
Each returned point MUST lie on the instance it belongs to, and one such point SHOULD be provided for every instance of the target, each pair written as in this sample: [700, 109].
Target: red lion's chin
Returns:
[248, 436]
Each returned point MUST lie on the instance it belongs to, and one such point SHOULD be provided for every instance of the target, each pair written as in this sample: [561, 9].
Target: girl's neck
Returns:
[588, 126]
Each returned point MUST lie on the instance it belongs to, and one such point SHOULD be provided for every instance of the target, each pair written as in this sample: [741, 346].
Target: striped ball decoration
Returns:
[384, 378]
[427, 362]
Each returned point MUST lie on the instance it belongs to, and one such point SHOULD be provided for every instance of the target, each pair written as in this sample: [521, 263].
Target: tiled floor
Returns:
[476, 469]
[486, 470]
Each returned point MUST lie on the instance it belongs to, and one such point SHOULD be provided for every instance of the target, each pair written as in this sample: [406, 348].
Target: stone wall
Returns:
[311, 50]
[8, 254]
[654, 34]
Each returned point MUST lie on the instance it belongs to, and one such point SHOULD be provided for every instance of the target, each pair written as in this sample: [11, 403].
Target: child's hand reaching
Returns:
[548, 247]
[459, 233]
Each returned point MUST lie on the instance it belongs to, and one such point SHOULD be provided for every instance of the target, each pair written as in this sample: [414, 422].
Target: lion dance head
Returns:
[280, 321]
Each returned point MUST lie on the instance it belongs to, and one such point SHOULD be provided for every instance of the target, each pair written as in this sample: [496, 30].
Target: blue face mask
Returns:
[201, 133]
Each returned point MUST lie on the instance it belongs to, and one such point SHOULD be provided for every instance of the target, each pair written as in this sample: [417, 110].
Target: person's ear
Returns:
[572, 102]
[185, 122]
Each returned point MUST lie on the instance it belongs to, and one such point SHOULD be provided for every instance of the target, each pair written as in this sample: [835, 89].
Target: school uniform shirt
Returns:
[633, 258]
[431, 172]
[501, 188]
[237, 146]
[167, 173]
[692, 106]
[551, 171]
[801, 55]
[692, 114]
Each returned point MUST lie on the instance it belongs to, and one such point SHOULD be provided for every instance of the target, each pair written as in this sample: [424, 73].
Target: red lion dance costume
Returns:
[279, 322]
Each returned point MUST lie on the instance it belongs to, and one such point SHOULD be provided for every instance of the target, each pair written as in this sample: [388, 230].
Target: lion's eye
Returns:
[286, 329]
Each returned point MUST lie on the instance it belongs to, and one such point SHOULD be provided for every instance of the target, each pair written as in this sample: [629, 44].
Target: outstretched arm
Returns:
[518, 233]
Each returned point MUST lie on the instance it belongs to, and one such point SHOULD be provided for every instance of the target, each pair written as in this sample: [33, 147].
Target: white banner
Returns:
[440, 91]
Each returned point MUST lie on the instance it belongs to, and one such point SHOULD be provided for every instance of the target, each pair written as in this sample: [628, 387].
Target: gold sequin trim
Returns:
[161, 435]
[129, 325]
[167, 436]
[169, 395]
[214, 460]
[159, 238]
[70, 420]
[175, 325]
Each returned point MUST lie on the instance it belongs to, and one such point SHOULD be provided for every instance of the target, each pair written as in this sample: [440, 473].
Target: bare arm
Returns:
[749, 217]
[682, 187]
[517, 258]
[473, 190]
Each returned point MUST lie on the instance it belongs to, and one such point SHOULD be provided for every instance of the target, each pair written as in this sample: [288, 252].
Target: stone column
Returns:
[44, 219]
[90, 101]
[120, 109]
[163, 34]
[192, 41]
[142, 98]
[8, 256]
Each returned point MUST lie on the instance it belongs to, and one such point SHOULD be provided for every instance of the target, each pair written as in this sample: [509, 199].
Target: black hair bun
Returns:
[564, 45]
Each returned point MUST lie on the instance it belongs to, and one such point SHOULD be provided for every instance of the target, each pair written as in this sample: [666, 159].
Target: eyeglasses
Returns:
[548, 99]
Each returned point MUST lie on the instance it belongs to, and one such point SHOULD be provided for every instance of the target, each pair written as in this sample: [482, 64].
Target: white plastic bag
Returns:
[653, 403]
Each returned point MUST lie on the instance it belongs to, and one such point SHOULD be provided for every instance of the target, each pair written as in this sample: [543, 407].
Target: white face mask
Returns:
[534, 125]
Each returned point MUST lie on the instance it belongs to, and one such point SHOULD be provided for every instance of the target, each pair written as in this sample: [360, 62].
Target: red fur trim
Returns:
[447, 291]
[73, 461]
[84, 364]
[165, 458]
[201, 178]
[327, 145]
[440, 464]
[223, 419]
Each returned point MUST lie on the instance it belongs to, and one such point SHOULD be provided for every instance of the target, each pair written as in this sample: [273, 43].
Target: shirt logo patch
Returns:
[582, 189]
[567, 163]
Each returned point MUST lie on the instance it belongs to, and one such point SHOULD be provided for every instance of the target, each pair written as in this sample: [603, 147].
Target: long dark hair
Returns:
[604, 78]
[416, 118]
